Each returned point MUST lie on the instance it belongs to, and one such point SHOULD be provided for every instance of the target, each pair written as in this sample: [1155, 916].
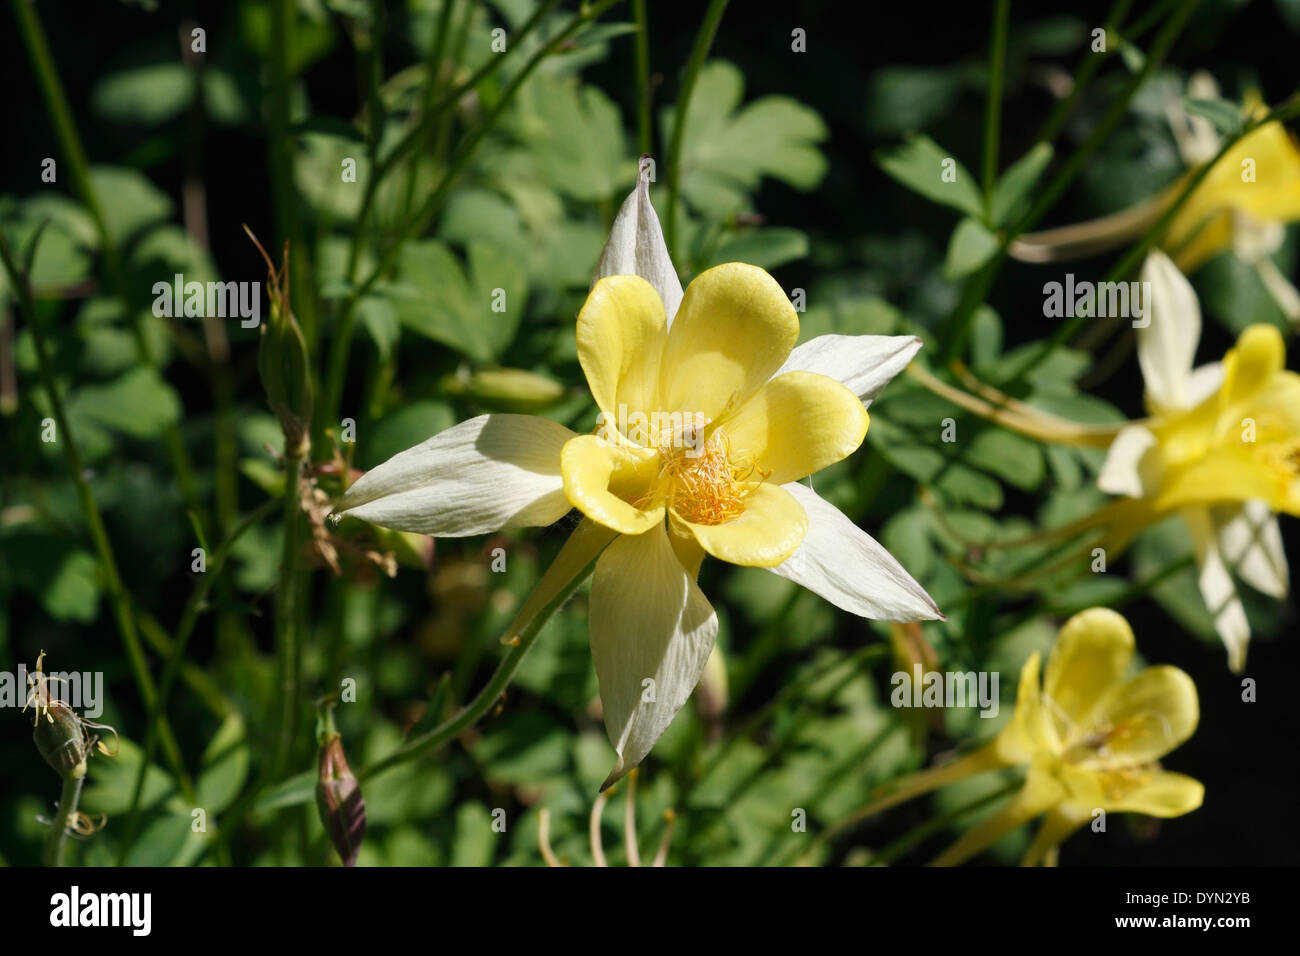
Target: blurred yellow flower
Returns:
[1221, 450]
[1089, 739]
[1242, 205]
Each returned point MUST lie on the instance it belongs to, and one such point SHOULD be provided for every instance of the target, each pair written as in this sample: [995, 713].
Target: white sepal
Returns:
[636, 245]
[652, 631]
[863, 363]
[489, 473]
[843, 564]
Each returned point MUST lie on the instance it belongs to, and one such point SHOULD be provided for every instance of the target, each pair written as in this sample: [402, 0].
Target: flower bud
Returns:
[507, 390]
[711, 694]
[338, 797]
[60, 739]
[282, 362]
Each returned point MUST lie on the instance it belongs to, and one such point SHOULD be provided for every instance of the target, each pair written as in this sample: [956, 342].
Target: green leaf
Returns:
[986, 336]
[149, 95]
[971, 246]
[1014, 459]
[380, 320]
[475, 310]
[1227, 117]
[162, 841]
[409, 425]
[920, 164]
[111, 782]
[129, 201]
[903, 98]
[765, 248]
[225, 766]
[73, 592]
[1017, 181]
[474, 842]
[140, 404]
[575, 135]
[727, 150]
[294, 792]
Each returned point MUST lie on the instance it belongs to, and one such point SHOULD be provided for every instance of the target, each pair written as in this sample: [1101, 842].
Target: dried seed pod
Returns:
[61, 740]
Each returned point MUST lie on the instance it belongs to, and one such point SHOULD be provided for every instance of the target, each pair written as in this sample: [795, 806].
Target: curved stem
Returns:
[571, 567]
[58, 837]
[703, 40]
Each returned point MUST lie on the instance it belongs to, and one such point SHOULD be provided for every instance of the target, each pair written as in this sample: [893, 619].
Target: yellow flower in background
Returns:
[1089, 739]
[1221, 450]
[1243, 204]
[709, 418]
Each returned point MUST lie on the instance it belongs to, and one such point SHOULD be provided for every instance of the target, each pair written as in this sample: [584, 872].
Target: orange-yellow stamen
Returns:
[704, 484]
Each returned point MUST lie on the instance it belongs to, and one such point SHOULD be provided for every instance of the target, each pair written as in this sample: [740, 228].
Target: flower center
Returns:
[703, 483]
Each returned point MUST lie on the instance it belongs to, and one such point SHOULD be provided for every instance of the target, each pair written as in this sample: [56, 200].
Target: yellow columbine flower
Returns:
[1222, 449]
[1243, 204]
[709, 417]
[1088, 738]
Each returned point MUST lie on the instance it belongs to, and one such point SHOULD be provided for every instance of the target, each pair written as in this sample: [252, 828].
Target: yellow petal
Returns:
[1164, 795]
[1228, 474]
[767, 533]
[796, 425]
[1040, 792]
[1259, 354]
[621, 333]
[1052, 832]
[1149, 715]
[733, 331]
[1091, 654]
[602, 480]
[1026, 734]
[1203, 226]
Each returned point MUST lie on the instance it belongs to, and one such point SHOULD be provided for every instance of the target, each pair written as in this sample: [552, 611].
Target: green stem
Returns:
[281, 161]
[977, 286]
[176, 658]
[117, 594]
[642, 76]
[1087, 68]
[58, 837]
[65, 129]
[1131, 260]
[430, 115]
[286, 618]
[936, 824]
[343, 336]
[703, 41]
[566, 574]
[993, 105]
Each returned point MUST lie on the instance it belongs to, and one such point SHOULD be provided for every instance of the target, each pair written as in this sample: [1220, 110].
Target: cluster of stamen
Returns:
[703, 483]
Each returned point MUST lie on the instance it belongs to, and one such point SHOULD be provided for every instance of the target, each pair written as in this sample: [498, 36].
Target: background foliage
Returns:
[515, 188]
